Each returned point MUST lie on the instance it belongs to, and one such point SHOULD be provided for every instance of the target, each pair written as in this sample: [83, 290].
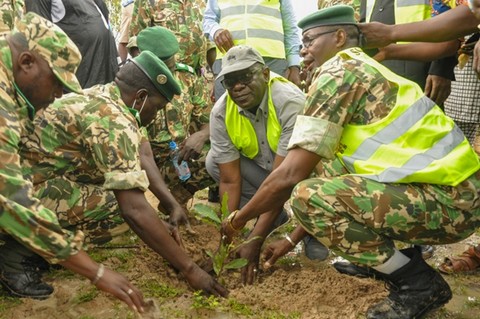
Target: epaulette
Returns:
[183, 67]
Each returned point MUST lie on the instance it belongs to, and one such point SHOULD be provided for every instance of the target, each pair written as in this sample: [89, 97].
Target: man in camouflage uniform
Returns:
[186, 118]
[93, 149]
[416, 191]
[38, 61]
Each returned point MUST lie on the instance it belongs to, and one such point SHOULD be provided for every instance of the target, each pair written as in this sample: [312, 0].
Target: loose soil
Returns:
[294, 288]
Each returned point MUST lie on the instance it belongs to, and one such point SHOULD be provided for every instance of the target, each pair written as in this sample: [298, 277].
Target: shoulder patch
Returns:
[183, 67]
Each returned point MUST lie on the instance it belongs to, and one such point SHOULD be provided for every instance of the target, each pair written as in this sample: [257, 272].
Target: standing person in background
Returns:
[86, 24]
[435, 78]
[124, 33]
[270, 27]
[38, 61]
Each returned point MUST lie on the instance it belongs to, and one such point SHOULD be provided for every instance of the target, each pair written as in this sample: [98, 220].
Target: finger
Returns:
[137, 298]
[189, 228]
[428, 88]
[270, 262]
[220, 290]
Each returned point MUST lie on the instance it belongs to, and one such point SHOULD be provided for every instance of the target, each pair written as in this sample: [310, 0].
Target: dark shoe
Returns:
[26, 284]
[213, 194]
[415, 290]
[347, 268]
[427, 251]
[314, 250]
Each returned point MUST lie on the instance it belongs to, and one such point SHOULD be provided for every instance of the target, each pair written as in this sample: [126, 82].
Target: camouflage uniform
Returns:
[355, 4]
[182, 17]
[21, 215]
[359, 218]
[191, 110]
[83, 148]
[186, 113]
[10, 10]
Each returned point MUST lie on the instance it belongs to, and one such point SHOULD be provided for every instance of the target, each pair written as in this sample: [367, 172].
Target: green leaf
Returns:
[208, 212]
[236, 263]
[225, 211]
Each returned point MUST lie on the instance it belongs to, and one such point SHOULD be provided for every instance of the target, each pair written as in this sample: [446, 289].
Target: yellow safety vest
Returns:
[257, 23]
[405, 10]
[241, 131]
[415, 143]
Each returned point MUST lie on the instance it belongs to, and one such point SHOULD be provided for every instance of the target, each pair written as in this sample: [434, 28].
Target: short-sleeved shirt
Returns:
[91, 139]
[288, 101]
[182, 17]
[344, 91]
[22, 216]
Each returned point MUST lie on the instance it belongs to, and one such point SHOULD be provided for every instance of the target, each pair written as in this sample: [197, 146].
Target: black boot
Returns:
[26, 282]
[347, 268]
[415, 290]
[20, 271]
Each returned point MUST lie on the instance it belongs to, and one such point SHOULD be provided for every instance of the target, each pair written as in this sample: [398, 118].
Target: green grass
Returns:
[154, 288]
[86, 296]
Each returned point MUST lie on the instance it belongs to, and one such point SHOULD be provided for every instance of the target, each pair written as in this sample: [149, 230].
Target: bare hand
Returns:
[173, 230]
[376, 34]
[117, 285]
[476, 58]
[200, 280]
[223, 40]
[178, 216]
[251, 252]
[293, 75]
[274, 251]
[191, 148]
[438, 88]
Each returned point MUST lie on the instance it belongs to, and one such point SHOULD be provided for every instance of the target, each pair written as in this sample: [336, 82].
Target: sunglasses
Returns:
[244, 79]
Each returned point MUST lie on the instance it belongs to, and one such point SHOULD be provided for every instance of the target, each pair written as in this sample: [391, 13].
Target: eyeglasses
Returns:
[306, 43]
[245, 78]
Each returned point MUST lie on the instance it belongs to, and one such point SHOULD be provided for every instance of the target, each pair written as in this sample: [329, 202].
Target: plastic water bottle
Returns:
[182, 169]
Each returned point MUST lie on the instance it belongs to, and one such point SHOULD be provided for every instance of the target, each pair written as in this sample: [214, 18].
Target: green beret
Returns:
[158, 40]
[156, 70]
[335, 15]
[54, 46]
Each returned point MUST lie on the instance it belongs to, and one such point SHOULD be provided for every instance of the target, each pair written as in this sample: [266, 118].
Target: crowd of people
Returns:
[361, 121]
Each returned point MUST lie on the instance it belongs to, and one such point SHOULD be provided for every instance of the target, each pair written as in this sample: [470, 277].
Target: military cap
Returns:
[157, 71]
[53, 45]
[239, 58]
[132, 42]
[158, 40]
[334, 15]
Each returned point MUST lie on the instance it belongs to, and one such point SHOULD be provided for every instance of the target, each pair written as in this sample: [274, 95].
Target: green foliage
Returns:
[225, 251]
[202, 302]
[7, 302]
[115, 14]
[86, 296]
[154, 288]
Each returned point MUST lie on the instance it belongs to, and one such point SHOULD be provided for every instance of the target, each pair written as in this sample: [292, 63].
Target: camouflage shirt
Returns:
[344, 91]
[21, 215]
[91, 139]
[10, 11]
[182, 17]
[188, 111]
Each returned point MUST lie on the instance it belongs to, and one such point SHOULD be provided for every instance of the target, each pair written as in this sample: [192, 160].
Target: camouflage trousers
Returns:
[86, 207]
[360, 219]
[183, 191]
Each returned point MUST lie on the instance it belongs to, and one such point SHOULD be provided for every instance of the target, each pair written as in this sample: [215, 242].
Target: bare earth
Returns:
[295, 288]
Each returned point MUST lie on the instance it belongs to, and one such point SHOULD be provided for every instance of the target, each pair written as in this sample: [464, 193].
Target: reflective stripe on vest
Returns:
[415, 142]
[255, 23]
[241, 130]
[405, 10]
